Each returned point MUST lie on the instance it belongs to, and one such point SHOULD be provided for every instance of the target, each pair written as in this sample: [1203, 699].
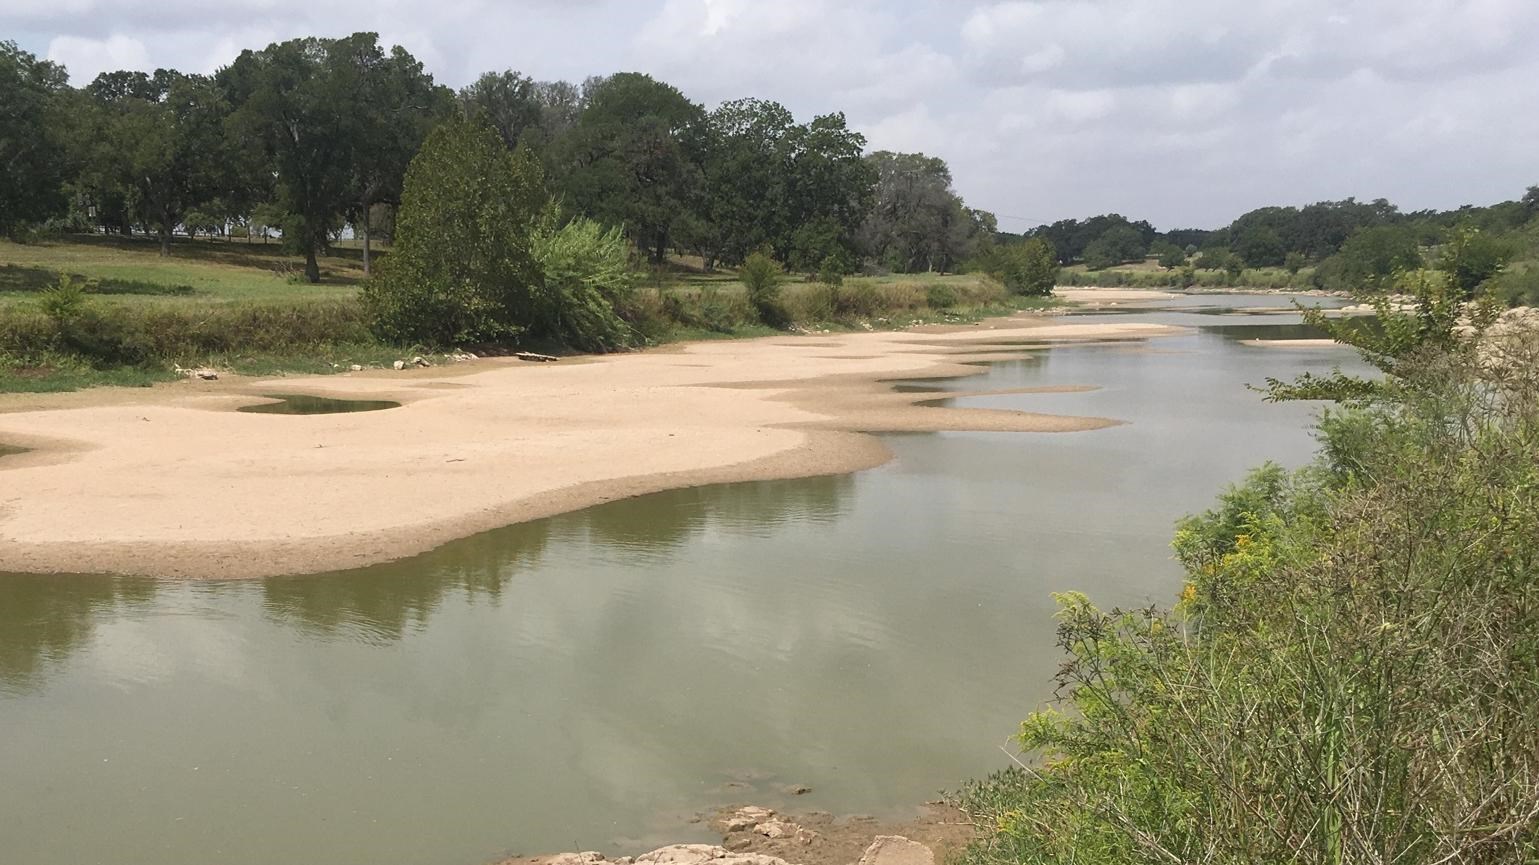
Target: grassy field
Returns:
[243, 307]
[200, 270]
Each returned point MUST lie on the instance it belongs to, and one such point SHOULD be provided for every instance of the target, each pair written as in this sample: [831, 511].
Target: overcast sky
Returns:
[1183, 112]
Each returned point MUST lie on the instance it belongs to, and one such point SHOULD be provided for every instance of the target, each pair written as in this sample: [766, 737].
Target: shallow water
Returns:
[304, 404]
[11, 450]
[589, 681]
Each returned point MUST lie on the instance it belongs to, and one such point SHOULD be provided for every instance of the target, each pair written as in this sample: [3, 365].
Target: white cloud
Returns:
[86, 58]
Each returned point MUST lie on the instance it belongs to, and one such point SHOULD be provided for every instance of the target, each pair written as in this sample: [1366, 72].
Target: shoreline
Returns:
[171, 482]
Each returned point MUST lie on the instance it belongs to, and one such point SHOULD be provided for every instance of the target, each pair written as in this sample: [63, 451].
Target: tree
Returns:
[831, 184]
[312, 107]
[633, 158]
[462, 271]
[160, 146]
[747, 159]
[507, 100]
[1028, 268]
[1259, 246]
[33, 162]
[1294, 262]
[1375, 254]
[1119, 243]
[916, 222]
[398, 104]
[1172, 258]
[1530, 201]
[1470, 257]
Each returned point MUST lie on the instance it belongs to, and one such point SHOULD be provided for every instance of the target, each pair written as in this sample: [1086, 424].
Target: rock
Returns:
[806, 837]
[737, 823]
[535, 358]
[356, 368]
[776, 829]
[420, 361]
[796, 789]
[742, 842]
[704, 854]
[207, 375]
[588, 858]
[400, 365]
[897, 850]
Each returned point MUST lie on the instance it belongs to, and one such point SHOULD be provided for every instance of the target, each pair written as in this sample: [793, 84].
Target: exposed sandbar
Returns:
[173, 482]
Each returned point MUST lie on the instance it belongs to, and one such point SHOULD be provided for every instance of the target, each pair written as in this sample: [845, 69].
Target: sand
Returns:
[1093, 296]
[1290, 343]
[173, 482]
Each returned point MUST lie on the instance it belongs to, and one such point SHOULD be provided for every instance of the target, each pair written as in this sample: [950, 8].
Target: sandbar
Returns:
[173, 482]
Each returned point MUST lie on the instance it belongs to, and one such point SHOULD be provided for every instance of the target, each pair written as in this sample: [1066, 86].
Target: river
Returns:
[591, 681]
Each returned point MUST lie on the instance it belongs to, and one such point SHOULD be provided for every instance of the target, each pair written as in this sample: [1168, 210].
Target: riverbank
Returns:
[753, 835]
[173, 482]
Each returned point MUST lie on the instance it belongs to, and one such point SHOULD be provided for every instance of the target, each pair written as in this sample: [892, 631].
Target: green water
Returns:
[590, 681]
[298, 403]
[10, 450]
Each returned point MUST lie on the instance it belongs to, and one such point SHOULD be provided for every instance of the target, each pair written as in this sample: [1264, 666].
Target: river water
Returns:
[591, 681]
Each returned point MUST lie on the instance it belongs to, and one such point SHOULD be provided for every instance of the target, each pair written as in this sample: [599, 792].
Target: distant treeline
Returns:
[1351, 244]
[313, 136]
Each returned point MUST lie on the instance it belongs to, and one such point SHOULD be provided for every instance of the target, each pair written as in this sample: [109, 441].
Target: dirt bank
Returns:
[173, 482]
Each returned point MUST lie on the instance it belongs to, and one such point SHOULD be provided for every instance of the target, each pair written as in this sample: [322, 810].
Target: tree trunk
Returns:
[312, 269]
[366, 241]
[165, 240]
[661, 250]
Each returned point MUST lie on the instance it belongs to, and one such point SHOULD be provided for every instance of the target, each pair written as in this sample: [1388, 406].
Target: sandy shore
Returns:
[173, 482]
[1290, 343]
[1094, 296]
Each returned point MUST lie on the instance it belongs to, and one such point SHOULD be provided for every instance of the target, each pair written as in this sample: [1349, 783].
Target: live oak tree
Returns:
[315, 106]
[159, 146]
[32, 163]
[633, 158]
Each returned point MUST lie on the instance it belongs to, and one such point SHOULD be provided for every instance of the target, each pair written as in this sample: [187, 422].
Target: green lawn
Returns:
[202, 270]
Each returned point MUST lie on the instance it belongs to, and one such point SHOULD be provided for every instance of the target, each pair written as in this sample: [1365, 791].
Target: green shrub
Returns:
[1348, 676]
[585, 278]
[762, 276]
[940, 296]
[1028, 268]
[832, 271]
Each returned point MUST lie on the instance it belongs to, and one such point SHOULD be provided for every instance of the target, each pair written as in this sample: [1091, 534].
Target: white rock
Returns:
[897, 850]
[356, 367]
[776, 829]
[586, 858]
[701, 854]
[400, 365]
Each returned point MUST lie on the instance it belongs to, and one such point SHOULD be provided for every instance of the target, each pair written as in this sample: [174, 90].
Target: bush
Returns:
[585, 277]
[1348, 676]
[761, 276]
[1028, 268]
[940, 296]
[832, 271]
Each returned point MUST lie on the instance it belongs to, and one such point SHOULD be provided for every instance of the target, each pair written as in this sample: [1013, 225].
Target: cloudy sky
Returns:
[1184, 112]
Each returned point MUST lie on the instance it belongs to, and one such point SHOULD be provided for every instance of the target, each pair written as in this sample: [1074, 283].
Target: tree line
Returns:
[1351, 244]
[313, 137]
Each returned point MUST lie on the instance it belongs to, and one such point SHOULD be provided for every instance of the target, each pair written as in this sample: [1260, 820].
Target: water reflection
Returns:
[44, 619]
[305, 404]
